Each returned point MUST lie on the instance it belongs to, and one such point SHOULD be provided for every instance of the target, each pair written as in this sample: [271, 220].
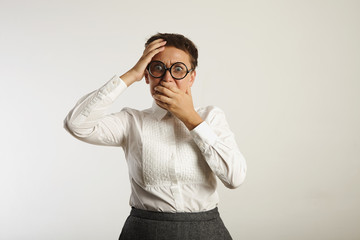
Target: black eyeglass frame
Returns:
[168, 69]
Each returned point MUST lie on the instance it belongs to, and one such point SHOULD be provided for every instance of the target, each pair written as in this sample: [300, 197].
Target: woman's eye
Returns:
[178, 69]
[158, 68]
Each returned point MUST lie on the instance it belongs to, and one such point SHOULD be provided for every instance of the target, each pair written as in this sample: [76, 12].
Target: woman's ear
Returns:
[192, 77]
[146, 74]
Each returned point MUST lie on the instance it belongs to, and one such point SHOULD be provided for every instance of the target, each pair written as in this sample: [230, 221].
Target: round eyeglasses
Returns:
[178, 70]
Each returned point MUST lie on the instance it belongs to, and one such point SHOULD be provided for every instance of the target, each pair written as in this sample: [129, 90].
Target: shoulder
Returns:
[129, 110]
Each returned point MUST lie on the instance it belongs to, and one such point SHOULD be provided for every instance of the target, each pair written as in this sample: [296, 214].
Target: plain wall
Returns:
[286, 73]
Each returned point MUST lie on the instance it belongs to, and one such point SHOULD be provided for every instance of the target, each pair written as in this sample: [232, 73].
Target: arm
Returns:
[218, 146]
[212, 136]
[88, 121]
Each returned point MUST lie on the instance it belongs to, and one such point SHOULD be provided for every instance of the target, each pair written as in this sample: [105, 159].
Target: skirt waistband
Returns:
[179, 217]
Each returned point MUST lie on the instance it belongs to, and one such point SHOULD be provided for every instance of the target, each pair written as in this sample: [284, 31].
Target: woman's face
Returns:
[169, 56]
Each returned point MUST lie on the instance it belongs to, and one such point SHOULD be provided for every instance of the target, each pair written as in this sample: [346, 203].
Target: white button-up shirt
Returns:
[171, 169]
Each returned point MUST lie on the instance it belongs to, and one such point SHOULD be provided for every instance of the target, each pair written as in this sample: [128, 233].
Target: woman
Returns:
[174, 152]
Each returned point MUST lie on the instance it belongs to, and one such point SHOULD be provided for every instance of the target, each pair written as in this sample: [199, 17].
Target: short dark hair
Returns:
[179, 41]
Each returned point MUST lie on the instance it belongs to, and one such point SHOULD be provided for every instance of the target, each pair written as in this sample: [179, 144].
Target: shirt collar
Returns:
[159, 112]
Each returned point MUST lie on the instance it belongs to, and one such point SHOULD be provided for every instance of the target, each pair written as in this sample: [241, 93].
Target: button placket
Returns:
[175, 188]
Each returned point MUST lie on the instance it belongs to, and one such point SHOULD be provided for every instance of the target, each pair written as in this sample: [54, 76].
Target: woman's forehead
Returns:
[171, 55]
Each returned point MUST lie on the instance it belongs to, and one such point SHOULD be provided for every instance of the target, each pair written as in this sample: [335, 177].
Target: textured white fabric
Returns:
[171, 169]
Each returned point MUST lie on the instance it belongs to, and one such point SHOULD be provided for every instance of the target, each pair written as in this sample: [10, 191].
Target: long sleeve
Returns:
[218, 146]
[88, 120]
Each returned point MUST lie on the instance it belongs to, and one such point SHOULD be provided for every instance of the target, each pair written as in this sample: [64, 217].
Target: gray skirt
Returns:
[148, 225]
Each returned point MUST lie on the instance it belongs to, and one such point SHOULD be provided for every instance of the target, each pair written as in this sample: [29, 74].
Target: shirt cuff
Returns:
[203, 136]
[115, 86]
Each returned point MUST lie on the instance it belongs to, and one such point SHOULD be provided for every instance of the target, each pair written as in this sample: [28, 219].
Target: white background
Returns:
[286, 73]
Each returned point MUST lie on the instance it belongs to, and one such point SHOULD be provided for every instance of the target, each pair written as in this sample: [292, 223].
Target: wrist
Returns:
[193, 121]
[130, 77]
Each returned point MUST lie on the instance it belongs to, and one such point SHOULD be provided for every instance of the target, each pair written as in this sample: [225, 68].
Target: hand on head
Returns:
[150, 51]
[137, 72]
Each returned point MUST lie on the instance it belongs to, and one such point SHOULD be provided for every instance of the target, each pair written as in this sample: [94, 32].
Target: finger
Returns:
[170, 86]
[162, 98]
[153, 52]
[150, 45]
[165, 91]
[148, 56]
[161, 104]
[153, 46]
[155, 41]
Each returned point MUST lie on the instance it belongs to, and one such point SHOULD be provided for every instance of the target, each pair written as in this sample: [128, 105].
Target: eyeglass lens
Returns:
[177, 70]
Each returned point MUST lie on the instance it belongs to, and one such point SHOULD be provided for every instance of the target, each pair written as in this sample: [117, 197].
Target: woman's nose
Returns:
[167, 77]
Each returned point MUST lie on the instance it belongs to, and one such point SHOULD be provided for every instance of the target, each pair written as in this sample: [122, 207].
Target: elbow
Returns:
[237, 179]
[65, 125]
[68, 126]
[233, 186]
[236, 183]
[77, 131]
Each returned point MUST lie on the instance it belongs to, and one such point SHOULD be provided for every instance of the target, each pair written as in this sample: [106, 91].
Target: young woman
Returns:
[174, 151]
